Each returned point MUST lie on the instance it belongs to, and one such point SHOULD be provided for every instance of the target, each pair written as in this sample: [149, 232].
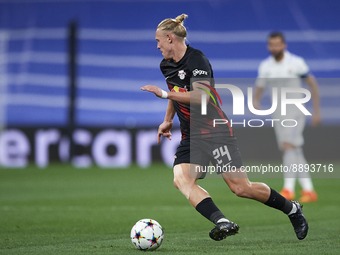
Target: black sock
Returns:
[209, 210]
[279, 202]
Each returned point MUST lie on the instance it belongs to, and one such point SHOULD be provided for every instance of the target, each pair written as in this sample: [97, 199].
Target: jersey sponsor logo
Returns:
[178, 89]
[181, 74]
[199, 72]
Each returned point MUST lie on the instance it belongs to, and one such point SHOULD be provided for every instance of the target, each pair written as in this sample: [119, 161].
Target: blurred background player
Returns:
[201, 144]
[284, 69]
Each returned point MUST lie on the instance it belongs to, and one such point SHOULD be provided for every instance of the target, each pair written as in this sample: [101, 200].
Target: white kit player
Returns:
[284, 69]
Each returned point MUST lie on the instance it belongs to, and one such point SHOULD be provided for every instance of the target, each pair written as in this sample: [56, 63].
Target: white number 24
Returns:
[220, 152]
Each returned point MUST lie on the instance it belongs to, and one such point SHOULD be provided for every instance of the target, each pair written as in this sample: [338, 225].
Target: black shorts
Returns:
[221, 152]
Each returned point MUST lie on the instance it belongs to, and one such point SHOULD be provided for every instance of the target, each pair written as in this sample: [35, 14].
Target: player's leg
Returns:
[188, 184]
[289, 159]
[185, 179]
[240, 185]
[308, 193]
[199, 198]
[292, 141]
[284, 138]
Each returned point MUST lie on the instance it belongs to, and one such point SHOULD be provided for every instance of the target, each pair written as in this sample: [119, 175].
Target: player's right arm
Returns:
[304, 72]
[314, 88]
[164, 129]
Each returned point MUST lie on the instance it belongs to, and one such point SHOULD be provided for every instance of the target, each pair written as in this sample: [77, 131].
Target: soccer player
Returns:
[181, 63]
[284, 69]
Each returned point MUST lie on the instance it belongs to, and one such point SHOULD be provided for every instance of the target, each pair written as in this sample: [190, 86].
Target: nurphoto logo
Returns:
[238, 103]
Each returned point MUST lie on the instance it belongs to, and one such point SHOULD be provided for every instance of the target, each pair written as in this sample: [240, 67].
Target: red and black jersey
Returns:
[194, 64]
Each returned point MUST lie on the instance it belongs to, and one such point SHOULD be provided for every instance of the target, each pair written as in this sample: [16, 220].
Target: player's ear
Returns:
[170, 38]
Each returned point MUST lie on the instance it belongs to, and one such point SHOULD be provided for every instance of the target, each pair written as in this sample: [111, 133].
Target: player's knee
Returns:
[180, 179]
[182, 186]
[177, 181]
[180, 182]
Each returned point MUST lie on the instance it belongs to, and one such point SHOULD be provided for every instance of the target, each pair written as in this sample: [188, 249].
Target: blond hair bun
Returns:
[181, 18]
[175, 25]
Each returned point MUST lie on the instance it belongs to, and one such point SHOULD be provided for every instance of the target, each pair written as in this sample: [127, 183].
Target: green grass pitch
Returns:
[63, 210]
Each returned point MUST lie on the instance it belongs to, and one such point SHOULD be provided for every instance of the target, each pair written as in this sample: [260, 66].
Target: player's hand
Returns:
[164, 130]
[154, 89]
[316, 119]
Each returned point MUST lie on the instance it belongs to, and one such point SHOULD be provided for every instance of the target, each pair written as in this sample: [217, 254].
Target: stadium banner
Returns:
[121, 147]
[105, 147]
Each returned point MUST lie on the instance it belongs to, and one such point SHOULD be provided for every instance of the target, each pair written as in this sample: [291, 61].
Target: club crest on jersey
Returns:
[181, 74]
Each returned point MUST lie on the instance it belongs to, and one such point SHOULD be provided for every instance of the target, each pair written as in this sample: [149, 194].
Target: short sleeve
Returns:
[302, 68]
[199, 66]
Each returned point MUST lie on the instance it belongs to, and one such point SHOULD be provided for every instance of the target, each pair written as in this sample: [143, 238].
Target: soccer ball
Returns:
[147, 234]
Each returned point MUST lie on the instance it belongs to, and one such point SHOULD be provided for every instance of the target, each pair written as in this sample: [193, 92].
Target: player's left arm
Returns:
[190, 97]
[200, 69]
[314, 88]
